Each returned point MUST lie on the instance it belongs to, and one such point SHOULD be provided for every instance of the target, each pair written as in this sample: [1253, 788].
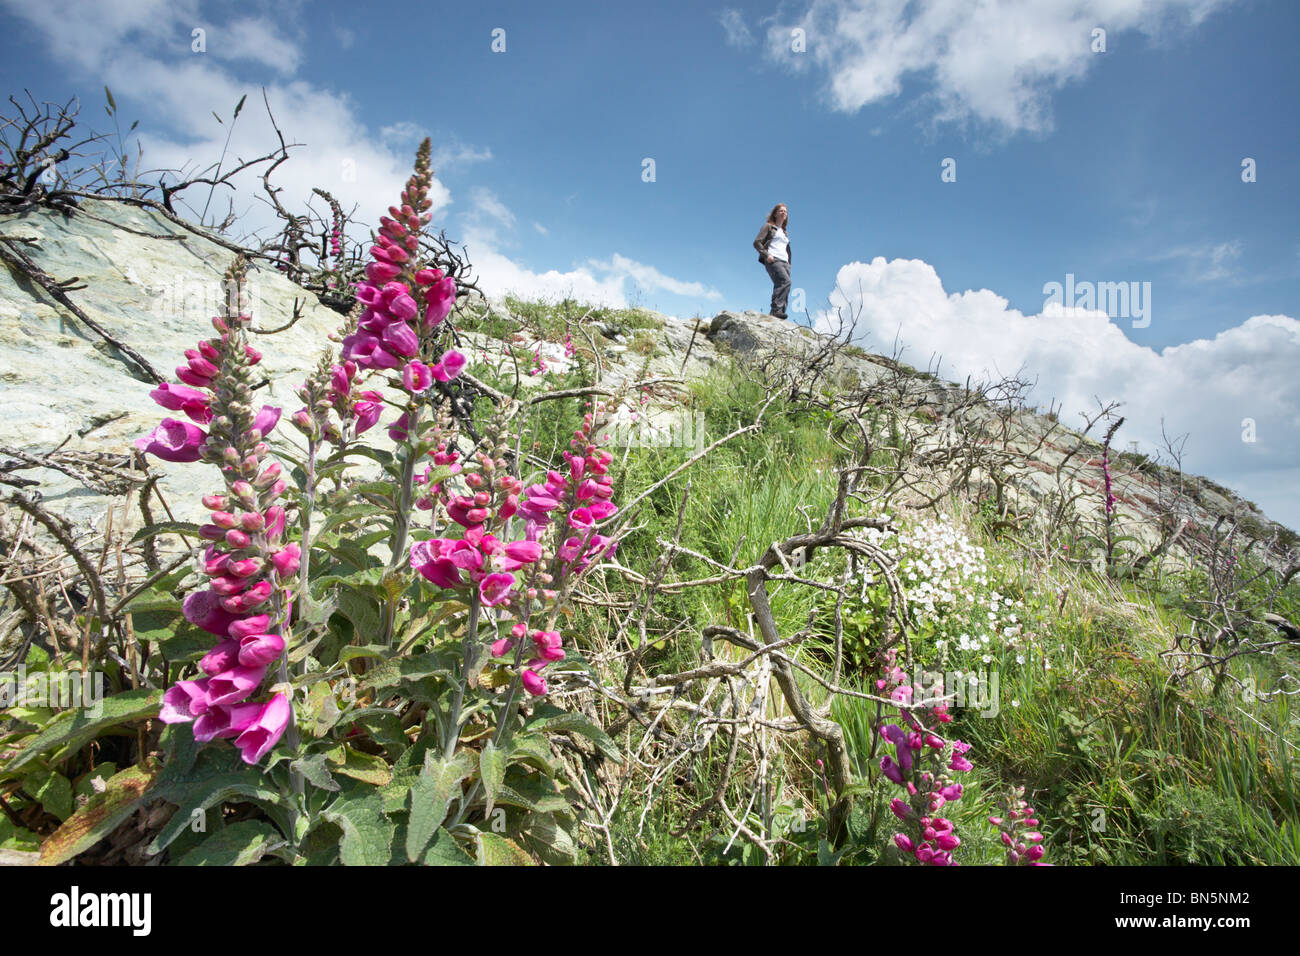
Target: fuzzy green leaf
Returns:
[76, 727]
[238, 844]
[431, 795]
[393, 672]
[575, 723]
[101, 815]
[533, 750]
[492, 771]
[351, 513]
[550, 841]
[494, 850]
[367, 768]
[315, 772]
[53, 790]
[367, 833]
[444, 851]
[217, 776]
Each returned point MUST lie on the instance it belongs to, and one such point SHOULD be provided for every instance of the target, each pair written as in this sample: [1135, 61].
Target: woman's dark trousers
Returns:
[779, 272]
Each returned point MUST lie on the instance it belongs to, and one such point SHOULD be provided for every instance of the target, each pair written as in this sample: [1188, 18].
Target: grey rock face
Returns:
[62, 383]
[750, 331]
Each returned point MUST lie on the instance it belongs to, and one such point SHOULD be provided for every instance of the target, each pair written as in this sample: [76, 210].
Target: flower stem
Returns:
[467, 660]
[308, 505]
[405, 501]
[406, 493]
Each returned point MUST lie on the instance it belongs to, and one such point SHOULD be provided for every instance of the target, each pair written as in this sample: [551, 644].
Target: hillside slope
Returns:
[789, 521]
[152, 285]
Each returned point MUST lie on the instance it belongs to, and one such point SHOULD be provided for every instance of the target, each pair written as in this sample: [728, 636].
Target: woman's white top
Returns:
[776, 246]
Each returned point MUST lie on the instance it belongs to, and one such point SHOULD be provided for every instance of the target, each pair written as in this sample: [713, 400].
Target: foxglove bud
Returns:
[268, 476]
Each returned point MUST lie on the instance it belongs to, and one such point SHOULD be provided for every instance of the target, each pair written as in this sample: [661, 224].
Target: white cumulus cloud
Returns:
[142, 50]
[1205, 388]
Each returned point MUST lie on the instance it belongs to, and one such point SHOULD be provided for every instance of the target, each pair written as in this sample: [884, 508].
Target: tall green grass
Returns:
[1124, 766]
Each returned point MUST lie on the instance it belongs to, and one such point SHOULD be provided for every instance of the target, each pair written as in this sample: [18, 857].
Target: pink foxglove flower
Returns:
[495, 588]
[247, 604]
[258, 650]
[368, 410]
[891, 770]
[517, 554]
[221, 721]
[266, 420]
[181, 398]
[534, 683]
[184, 701]
[203, 609]
[250, 625]
[920, 751]
[448, 367]
[439, 295]
[433, 563]
[491, 562]
[174, 441]
[1024, 845]
[235, 684]
[221, 658]
[416, 377]
[548, 646]
[262, 733]
[286, 560]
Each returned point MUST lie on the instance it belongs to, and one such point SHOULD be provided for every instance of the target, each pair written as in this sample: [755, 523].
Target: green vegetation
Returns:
[1125, 766]
[1130, 754]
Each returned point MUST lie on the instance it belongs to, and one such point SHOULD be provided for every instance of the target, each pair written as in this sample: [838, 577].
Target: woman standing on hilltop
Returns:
[773, 247]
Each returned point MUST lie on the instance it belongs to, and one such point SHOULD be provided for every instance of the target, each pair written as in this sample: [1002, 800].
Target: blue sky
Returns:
[1114, 166]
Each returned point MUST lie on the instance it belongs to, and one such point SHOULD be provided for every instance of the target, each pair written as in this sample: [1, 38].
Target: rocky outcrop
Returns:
[154, 286]
[749, 332]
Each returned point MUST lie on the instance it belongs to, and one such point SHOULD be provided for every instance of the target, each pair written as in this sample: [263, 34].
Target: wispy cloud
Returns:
[1208, 262]
[449, 151]
[733, 24]
[259, 40]
[996, 62]
[402, 134]
[489, 226]
[651, 279]
[455, 155]
[488, 218]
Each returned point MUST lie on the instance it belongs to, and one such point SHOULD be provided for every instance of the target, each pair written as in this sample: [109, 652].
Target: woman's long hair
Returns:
[771, 216]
